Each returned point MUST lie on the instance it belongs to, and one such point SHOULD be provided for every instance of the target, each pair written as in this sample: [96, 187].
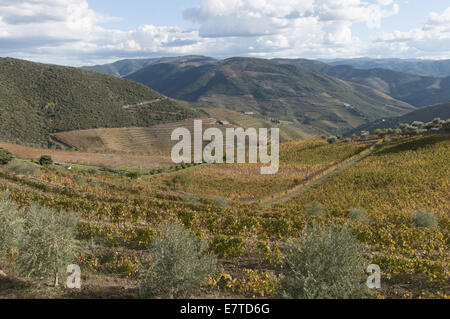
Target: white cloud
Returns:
[384, 2]
[69, 32]
[432, 40]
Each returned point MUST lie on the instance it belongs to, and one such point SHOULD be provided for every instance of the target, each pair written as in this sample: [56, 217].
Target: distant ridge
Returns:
[123, 68]
[410, 88]
[436, 68]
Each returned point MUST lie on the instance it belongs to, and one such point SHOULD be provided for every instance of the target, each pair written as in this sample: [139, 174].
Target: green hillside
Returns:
[284, 92]
[426, 114]
[38, 99]
[413, 89]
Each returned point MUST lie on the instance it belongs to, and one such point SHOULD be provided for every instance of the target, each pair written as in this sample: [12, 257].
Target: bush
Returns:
[49, 243]
[221, 201]
[422, 218]
[93, 171]
[132, 175]
[365, 135]
[178, 180]
[11, 227]
[332, 140]
[316, 209]
[5, 156]
[358, 214]
[45, 160]
[191, 198]
[325, 263]
[180, 262]
[418, 124]
[22, 168]
[446, 125]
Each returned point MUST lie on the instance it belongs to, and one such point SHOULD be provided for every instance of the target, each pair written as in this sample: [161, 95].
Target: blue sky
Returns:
[84, 32]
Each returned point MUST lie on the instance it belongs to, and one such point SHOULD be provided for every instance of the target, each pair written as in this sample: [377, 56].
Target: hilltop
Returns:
[313, 101]
[37, 100]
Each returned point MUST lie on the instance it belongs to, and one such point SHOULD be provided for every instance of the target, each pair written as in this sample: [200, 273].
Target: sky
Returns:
[88, 32]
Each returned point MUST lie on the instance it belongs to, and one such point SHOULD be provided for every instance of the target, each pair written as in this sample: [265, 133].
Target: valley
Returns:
[97, 147]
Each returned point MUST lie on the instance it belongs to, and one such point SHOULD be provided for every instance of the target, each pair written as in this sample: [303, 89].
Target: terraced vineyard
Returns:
[154, 140]
[299, 160]
[121, 215]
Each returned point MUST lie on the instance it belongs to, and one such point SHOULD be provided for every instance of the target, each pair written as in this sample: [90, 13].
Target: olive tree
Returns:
[11, 227]
[179, 263]
[48, 244]
[324, 263]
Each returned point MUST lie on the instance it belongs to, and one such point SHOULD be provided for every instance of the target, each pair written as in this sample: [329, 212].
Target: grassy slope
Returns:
[280, 91]
[38, 99]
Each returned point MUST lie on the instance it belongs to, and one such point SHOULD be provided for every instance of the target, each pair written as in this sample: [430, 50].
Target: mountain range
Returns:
[310, 99]
[439, 68]
[410, 88]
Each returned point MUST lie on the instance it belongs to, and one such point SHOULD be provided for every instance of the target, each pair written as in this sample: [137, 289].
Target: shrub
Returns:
[365, 135]
[45, 160]
[5, 156]
[178, 180]
[132, 175]
[221, 201]
[422, 218]
[49, 243]
[180, 262]
[316, 209]
[332, 140]
[11, 227]
[418, 124]
[92, 171]
[446, 125]
[191, 198]
[325, 263]
[22, 168]
[358, 214]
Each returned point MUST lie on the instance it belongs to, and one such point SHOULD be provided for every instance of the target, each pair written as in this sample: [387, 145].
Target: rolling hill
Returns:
[425, 114]
[37, 100]
[410, 88]
[311, 100]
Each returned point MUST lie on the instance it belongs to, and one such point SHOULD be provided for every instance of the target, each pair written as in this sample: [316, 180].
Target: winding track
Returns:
[317, 178]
